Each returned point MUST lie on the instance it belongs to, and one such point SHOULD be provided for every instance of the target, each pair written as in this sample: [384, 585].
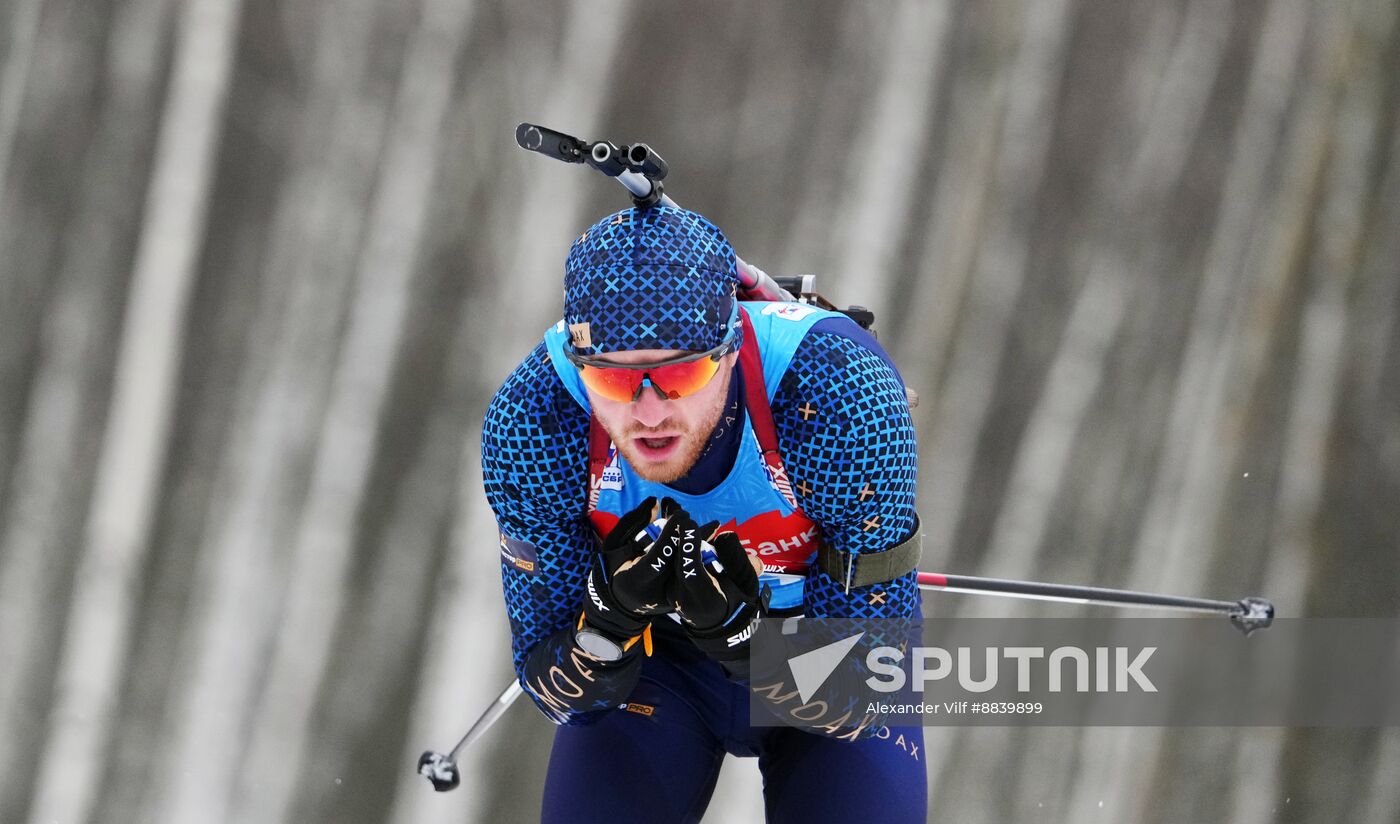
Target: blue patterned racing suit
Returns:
[643, 741]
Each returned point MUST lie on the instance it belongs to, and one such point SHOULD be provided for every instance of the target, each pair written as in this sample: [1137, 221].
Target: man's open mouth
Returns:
[656, 446]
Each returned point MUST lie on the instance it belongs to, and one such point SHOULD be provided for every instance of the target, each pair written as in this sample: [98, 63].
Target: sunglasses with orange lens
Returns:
[671, 379]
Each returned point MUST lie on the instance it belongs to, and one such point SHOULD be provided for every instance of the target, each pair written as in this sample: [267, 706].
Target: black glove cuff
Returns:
[604, 613]
[619, 631]
[729, 642]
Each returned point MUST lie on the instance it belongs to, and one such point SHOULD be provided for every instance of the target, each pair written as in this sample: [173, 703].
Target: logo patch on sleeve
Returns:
[612, 471]
[519, 554]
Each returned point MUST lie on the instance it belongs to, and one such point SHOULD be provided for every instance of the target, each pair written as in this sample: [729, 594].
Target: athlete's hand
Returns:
[717, 605]
[627, 582]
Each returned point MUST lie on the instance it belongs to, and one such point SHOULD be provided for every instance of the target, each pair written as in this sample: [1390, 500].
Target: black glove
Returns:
[627, 582]
[718, 608]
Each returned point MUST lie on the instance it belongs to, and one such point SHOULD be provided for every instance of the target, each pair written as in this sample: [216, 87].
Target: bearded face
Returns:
[662, 438]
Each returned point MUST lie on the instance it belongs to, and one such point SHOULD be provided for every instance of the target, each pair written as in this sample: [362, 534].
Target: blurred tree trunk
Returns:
[263, 264]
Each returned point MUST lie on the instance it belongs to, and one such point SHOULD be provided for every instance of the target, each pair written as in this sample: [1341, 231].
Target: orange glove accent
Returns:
[646, 641]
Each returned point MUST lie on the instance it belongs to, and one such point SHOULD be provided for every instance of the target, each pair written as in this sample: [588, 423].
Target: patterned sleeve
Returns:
[847, 441]
[534, 461]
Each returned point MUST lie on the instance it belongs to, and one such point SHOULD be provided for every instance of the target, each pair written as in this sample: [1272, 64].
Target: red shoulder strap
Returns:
[755, 402]
[760, 414]
[598, 443]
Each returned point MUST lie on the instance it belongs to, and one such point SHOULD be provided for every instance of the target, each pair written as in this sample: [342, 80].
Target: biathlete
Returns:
[663, 411]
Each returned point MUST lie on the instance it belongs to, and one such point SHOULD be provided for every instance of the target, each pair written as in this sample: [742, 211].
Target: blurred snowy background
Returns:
[262, 264]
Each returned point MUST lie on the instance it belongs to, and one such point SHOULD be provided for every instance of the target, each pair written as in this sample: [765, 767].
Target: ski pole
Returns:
[640, 170]
[441, 769]
[1247, 614]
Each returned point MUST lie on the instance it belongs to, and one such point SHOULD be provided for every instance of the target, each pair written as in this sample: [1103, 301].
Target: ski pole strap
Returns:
[861, 569]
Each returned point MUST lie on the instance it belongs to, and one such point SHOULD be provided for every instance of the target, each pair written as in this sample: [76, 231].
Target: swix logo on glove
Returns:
[743, 635]
[593, 596]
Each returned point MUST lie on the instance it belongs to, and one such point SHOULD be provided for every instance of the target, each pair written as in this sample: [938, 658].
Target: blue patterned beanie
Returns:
[657, 278]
